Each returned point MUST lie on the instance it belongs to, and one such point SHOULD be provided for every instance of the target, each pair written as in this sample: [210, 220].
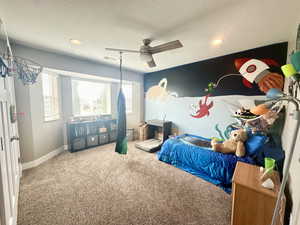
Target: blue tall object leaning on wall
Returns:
[121, 144]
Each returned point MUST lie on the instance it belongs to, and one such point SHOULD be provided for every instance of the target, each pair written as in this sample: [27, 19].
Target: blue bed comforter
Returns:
[214, 167]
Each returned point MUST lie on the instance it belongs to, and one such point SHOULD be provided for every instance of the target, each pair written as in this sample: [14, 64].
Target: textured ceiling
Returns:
[49, 24]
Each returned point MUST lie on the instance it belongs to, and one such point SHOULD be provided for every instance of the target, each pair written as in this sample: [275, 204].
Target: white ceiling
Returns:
[242, 24]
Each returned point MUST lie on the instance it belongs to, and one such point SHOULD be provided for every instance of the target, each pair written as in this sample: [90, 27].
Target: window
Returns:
[127, 90]
[50, 96]
[90, 98]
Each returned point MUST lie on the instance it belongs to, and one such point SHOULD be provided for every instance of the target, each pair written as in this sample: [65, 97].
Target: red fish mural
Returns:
[203, 109]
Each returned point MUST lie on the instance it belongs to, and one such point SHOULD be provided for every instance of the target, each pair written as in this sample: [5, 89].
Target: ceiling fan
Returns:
[146, 51]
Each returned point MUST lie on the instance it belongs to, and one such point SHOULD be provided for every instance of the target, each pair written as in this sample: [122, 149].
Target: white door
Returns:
[9, 156]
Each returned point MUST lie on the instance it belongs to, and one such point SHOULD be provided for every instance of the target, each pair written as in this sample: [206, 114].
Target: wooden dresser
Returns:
[252, 204]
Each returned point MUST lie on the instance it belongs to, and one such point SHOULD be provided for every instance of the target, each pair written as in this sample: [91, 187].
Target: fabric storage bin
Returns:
[102, 128]
[78, 143]
[91, 129]
[92, 140]
[78, 130]
[103, 138]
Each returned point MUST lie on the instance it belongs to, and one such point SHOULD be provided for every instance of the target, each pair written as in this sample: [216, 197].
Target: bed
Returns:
[214, 167]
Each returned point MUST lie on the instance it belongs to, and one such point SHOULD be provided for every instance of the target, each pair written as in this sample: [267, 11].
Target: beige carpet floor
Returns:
[101, 187]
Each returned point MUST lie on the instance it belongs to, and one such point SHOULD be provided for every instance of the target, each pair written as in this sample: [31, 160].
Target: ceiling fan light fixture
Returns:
[145, 57]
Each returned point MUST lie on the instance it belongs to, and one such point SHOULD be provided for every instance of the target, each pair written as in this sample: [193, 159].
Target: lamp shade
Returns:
[274, 93]
[288, 70]
[295, 59]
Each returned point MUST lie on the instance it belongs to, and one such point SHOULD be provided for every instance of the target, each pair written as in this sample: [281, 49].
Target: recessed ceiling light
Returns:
[75, 42]
[217, 42]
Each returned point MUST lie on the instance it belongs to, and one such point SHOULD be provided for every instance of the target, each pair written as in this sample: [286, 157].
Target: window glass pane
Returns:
[90, 98]
[128, 92]
[50, 97]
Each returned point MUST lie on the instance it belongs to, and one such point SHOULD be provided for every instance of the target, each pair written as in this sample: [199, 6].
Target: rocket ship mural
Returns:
[253, 71]
[257, 71]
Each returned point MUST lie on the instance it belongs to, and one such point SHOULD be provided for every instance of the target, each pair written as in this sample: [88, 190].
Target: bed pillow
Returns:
[254, 143]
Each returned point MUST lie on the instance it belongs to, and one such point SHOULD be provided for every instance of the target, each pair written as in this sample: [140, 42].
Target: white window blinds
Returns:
[50, 96]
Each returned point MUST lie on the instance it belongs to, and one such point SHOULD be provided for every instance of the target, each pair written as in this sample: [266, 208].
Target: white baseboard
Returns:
[43, 159]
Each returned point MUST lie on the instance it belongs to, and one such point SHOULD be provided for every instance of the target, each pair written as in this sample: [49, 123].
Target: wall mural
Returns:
[257, 71]
[201, 94]
[203, 108]
[159, 92]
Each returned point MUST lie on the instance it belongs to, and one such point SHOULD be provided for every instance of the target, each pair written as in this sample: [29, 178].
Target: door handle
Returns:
[14, 138]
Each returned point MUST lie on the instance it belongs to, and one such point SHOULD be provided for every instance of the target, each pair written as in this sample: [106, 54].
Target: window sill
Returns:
[51, 120]
[102, 114]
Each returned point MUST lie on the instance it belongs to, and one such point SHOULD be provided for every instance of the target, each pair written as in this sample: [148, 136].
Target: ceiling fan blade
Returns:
[166, 47]
[122, 50]
[151, 63]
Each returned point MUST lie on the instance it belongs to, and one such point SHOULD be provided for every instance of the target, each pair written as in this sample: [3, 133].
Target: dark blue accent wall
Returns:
[190, 80]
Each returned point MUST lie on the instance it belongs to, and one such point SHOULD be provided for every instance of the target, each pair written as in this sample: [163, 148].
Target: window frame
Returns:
[109, 97]
[55, 78]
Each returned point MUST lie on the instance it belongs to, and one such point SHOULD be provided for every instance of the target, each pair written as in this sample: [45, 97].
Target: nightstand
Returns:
[251, 203]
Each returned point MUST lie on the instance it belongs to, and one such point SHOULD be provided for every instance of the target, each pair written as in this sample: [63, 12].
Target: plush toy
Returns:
[235, 144]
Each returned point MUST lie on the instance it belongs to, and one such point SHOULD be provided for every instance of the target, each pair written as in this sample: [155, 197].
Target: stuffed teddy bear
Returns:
[235, 144]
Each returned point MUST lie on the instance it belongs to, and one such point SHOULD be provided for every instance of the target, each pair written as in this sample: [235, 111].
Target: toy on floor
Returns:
[235, 144]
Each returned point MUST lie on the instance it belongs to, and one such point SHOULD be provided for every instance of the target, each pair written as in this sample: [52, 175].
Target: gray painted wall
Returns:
[38, 138]
[47, 136]
[24, 120]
